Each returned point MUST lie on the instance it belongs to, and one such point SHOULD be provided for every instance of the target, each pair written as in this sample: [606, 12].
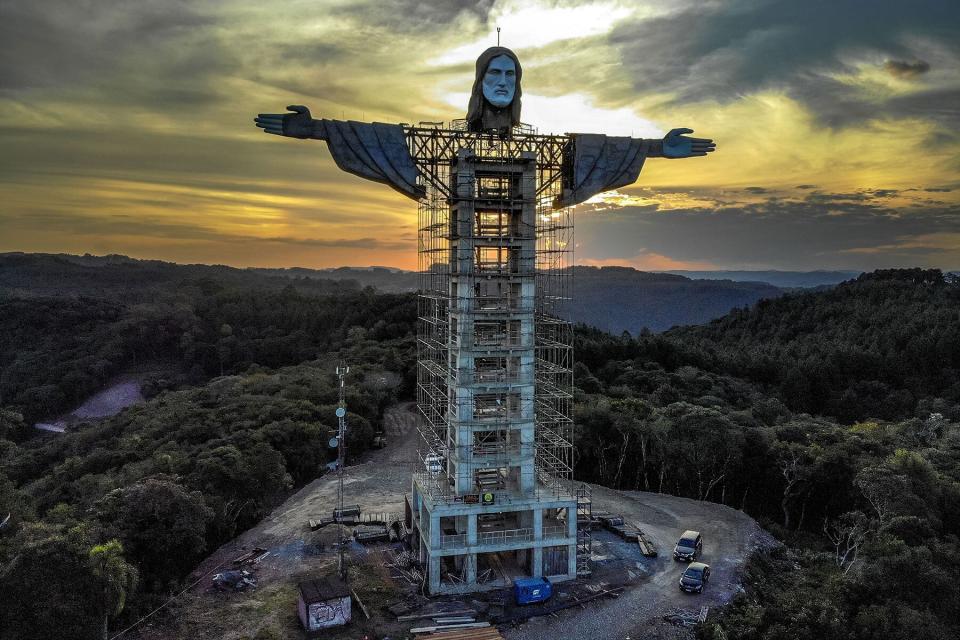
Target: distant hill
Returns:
[618, 299]
[873, 346]
[43, 274]
[782, 279]
[384, 279]
[614, 299]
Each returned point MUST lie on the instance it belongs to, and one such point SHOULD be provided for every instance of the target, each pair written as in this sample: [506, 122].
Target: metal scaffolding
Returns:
[498, 233]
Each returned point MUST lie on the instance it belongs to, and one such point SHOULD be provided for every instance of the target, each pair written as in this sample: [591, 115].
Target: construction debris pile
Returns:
[369, 528]
[631, 533]
[234, 580]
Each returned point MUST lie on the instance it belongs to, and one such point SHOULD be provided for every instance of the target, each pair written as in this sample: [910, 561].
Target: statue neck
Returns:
[494, 118]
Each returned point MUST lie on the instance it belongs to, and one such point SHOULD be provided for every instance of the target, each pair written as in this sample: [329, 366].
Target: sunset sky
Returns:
[127, 125]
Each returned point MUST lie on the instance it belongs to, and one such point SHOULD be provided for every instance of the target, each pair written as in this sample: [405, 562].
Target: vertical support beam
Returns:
[470, 566]
[472, 530]
[536, 559]
[434, 531]
[434, 586]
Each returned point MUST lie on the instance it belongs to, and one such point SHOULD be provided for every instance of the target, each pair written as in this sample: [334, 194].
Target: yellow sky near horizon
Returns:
[131, 131]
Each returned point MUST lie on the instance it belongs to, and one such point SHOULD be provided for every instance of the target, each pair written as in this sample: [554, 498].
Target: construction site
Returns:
[491, 498]
[468, 523]
[627, 594]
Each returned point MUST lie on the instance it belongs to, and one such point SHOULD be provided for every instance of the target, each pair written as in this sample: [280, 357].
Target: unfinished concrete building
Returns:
[491, 499]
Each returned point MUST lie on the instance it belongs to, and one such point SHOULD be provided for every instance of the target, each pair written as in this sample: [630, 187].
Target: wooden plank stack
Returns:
[485, 633]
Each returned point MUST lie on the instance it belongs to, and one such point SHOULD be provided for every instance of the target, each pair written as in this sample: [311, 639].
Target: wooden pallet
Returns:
[488, 633]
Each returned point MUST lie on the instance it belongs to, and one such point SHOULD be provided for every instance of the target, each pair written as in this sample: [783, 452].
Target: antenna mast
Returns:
[342, 372]
[498, 36]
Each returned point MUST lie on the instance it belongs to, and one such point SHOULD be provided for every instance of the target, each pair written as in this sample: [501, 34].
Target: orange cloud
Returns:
[650, 261]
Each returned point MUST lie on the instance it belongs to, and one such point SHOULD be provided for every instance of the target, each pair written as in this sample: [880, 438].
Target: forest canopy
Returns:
[829, 416]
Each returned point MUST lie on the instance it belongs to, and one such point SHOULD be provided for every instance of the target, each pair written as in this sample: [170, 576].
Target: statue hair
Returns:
[478, 101]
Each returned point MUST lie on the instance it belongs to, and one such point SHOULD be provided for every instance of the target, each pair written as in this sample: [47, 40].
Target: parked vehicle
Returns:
[690, 546]
[695, 577]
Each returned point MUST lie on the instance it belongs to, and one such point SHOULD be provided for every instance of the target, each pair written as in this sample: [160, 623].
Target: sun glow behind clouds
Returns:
[530, 26]
[574, 113]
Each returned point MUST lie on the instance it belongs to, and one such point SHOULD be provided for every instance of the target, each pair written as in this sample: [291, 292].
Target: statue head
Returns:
[495, 99]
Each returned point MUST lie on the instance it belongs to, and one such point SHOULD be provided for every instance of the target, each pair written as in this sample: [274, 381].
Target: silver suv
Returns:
[690, 546]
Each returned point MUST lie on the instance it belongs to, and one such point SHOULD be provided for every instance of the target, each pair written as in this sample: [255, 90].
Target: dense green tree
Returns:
[49, 590]
[161, 524]
[116, 578]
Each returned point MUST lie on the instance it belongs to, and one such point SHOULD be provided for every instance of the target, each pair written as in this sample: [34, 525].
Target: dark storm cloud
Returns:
[725, 50]
[904, 69]
[818, 231]
[414, 15]
[68, 42]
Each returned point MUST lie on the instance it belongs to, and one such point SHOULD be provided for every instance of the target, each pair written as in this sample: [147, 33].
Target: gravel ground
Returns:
[379, 484]
[729, 537]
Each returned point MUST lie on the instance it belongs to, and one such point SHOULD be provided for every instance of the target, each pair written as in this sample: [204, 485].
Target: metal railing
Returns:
[555, 532]
[507, 536]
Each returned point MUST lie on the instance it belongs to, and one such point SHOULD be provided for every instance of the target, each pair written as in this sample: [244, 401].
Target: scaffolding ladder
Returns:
[584, 537]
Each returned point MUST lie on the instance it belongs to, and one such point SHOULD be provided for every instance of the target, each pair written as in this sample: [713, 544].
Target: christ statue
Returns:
[494, 350]
[380, 152]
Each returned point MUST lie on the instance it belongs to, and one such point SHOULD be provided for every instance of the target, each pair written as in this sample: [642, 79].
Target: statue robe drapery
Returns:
[375, 151]
[600, 163]
[379, 152]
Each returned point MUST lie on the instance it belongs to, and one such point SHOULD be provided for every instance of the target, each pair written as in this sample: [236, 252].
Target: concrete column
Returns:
[536, 556]
[472, 534]
[434, 531]
[434, 574]
[471, 568]
[572, 560]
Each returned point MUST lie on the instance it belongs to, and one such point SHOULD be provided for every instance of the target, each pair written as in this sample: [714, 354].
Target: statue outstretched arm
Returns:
[676, 145]
[596, 163]
[371, 150]
[298, 124]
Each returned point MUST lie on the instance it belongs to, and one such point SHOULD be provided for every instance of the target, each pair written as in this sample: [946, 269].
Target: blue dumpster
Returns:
[530, 590]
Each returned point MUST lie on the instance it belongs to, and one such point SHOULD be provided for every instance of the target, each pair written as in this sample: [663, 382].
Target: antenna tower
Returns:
[342, 371]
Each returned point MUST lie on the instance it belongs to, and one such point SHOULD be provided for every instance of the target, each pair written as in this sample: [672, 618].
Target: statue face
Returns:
[500, 81]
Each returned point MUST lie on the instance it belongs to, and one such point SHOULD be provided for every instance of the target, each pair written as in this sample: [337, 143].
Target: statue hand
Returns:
[298, 124]
[677, 145]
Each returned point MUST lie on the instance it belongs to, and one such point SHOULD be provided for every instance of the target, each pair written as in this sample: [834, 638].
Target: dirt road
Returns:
[729, 537]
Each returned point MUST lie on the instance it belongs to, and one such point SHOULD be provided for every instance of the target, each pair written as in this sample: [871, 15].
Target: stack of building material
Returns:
[251, 557]
[486, 633]
[403, 565]
[647, 546]
[628, 532]
[608, 519]
[371, 533]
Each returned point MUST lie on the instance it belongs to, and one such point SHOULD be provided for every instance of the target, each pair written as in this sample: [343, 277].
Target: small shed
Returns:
[324, 602]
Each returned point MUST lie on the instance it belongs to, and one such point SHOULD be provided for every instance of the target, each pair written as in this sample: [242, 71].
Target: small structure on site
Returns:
[324, 602]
